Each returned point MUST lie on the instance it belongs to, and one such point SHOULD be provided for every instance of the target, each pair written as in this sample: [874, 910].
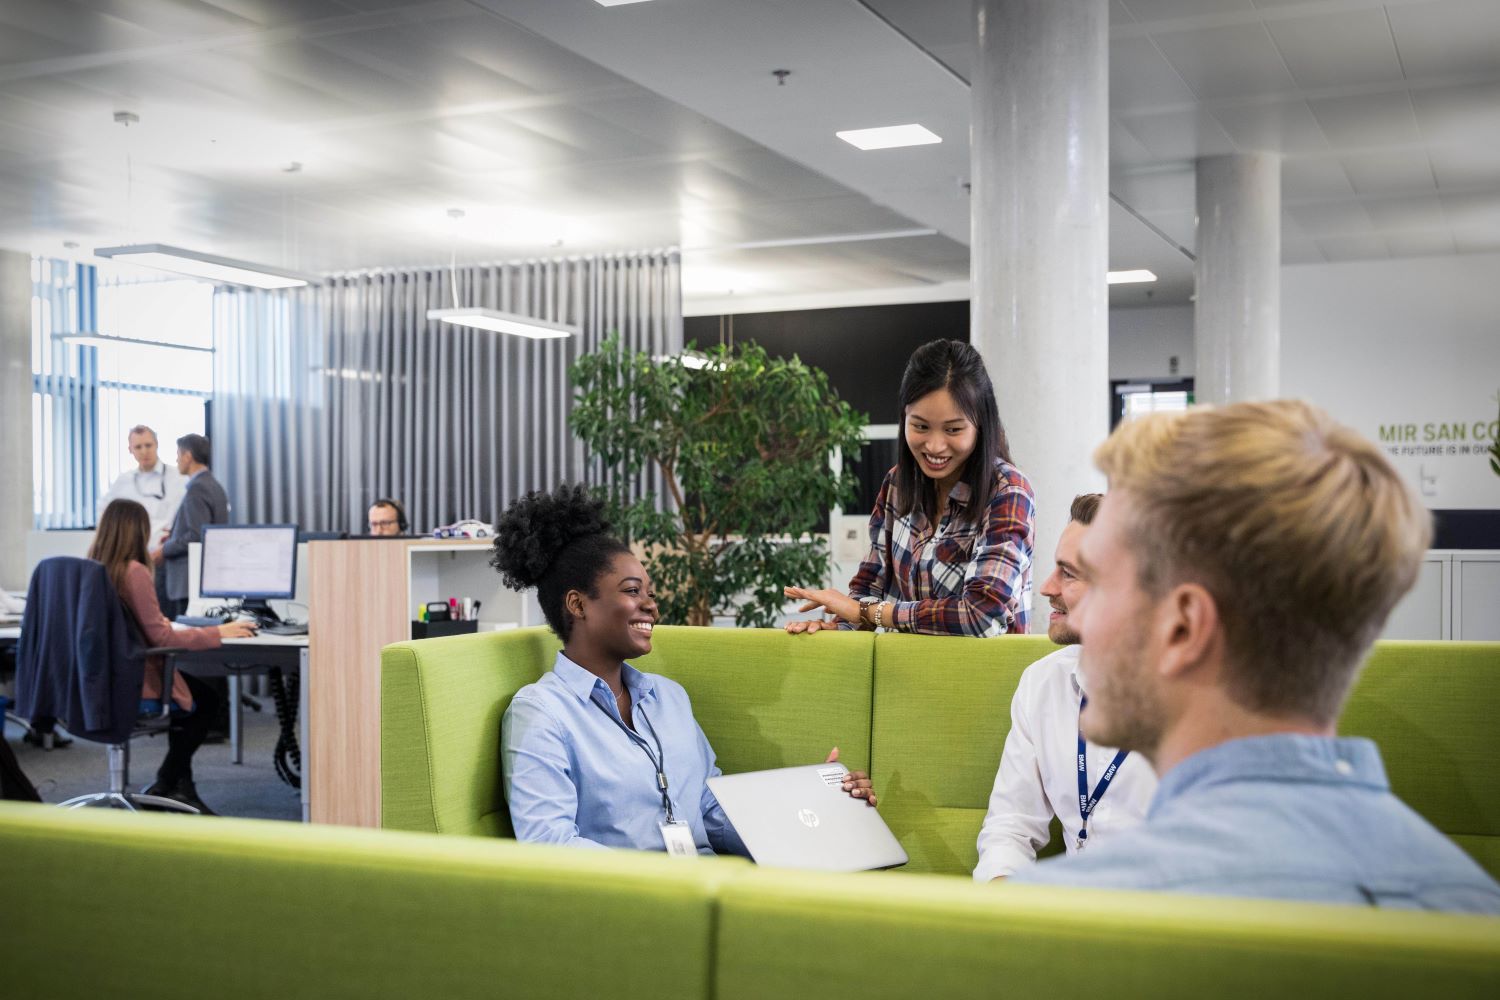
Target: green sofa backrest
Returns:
[106, 904]
[101, 903]
[1434, 709]
[928, 716]
[883, 937]
[942, 712]
[765, 699]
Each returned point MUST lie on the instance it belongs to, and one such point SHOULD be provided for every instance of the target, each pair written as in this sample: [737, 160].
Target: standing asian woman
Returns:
[121, 544]
[952, 531]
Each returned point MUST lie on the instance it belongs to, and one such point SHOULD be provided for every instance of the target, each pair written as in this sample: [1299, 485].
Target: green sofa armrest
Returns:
[441, 702]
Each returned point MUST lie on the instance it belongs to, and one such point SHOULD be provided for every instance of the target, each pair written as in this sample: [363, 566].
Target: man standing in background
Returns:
[204, 502]
[153, 483]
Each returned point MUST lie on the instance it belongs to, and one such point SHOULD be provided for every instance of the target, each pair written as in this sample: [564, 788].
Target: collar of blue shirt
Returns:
[1280, 757]
[584, 683]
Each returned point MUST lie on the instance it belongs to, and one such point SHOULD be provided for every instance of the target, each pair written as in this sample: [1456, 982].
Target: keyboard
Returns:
[200, 621]
[284, 628]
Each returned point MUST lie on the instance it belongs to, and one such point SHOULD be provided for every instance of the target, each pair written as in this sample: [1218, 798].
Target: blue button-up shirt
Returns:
[1284, 817]
[574, 776]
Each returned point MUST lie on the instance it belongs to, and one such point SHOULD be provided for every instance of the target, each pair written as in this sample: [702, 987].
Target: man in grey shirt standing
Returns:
[1240, 566]
[204, 502]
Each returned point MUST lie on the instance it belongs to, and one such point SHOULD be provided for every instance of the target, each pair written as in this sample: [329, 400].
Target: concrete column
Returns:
[1237, 316]
[15, 415]
[1039, 138]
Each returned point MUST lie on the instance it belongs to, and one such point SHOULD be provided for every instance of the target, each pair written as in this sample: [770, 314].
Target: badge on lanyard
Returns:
[678, 838]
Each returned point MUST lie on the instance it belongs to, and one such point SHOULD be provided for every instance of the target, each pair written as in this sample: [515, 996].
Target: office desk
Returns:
[237, 657]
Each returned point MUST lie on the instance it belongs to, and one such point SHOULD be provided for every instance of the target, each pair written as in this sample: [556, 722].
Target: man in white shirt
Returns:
[1039, 774]
[153, 483]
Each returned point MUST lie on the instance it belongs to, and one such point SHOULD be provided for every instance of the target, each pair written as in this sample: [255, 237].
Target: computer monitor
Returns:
[249, 563]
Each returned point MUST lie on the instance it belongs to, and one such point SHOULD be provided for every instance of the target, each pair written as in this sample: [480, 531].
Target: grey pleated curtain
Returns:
[329, 397]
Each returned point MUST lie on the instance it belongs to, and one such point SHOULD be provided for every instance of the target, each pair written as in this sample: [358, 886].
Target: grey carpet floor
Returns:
[251, 789]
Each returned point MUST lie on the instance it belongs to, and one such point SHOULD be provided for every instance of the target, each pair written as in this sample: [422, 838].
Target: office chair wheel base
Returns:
[131, 801]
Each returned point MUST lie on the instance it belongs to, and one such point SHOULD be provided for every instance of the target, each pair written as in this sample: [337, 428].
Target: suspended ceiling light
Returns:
[88, 338]
[889, 137]
[205, 265]
[1130, 277]
[502, 322]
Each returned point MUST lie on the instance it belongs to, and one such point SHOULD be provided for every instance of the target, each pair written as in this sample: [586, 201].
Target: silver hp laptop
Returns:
[801, 817]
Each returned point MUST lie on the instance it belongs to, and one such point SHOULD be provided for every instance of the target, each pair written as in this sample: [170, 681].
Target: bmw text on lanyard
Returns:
[658, 759]
[1087, 802]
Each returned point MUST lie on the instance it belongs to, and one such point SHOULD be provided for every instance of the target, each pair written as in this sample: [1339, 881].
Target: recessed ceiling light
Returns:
[617, 3]
[1130, 277]
[889, 137]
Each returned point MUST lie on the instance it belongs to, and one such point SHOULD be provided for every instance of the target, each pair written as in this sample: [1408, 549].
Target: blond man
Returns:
[153, 483]
[1241, 565]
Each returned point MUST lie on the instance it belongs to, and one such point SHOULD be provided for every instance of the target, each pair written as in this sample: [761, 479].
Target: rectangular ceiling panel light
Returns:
[499, 322]
[1130, 277]
[205, 265]
[889, 137]
[616, 3]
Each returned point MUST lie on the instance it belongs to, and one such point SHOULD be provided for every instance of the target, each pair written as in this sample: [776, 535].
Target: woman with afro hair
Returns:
[597, 753]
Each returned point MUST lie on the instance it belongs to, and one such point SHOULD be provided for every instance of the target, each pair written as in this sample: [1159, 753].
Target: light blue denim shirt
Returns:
[573, 776]
[1284, 817]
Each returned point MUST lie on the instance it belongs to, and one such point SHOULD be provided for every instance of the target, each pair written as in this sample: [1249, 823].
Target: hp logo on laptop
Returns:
[808, 817]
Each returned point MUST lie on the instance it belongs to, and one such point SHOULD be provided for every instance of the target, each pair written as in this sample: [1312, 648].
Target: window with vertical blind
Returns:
[86, 398]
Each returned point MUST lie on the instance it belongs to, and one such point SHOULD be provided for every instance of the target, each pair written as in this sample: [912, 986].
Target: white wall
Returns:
[1411, 347]
[1143, 340]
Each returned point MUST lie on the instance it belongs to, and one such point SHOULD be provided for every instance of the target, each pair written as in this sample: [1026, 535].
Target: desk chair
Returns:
[80, 660]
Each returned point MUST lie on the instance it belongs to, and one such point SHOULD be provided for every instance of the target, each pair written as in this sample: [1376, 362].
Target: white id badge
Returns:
[678, 837]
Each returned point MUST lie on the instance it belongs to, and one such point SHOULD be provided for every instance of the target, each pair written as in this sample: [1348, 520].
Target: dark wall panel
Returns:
[862, 348]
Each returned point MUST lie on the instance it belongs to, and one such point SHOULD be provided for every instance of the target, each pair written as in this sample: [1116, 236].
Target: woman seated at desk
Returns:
[121, 544]
[597, 753]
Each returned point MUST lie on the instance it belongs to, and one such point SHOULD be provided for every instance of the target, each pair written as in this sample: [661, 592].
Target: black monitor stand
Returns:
[261, 610]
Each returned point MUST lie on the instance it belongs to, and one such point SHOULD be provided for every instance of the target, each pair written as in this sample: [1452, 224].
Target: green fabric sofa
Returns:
[108, 904]
[927, 716]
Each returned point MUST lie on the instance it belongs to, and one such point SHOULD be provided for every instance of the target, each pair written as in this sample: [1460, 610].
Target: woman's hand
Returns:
[856, 783]
[237, 629]
[844, 608]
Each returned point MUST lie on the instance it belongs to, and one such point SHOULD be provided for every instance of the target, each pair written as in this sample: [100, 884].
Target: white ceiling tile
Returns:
[1404, 214]
[1345, 49]
[1161, 10]
[1301, 252]
[1141, 78]
[1366, 121]
[1448, 38]
[1465, 115]
[1125, 150]
[1305, 178]
[1232, 61]
[1336, 248]
[1420, 244]
[1332, 218]
[1476, 210]
[1480, 239]
[1390, 173]
[1159, 190]
[1180, 135]
[1284, 127]
[1466, 166]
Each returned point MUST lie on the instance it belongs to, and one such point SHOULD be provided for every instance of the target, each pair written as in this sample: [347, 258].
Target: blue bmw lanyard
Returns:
[1087, 802]
[658, 759]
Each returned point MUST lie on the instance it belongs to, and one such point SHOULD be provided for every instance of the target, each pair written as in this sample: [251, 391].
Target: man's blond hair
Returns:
[1300, 529]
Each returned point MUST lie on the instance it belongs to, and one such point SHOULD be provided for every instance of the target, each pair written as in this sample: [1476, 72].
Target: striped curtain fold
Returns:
[327, 398]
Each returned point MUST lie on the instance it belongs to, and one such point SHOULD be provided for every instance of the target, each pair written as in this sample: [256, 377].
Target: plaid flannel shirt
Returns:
[961, 579]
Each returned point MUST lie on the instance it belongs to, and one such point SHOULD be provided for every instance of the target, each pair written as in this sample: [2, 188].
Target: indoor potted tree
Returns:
[744, 443]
